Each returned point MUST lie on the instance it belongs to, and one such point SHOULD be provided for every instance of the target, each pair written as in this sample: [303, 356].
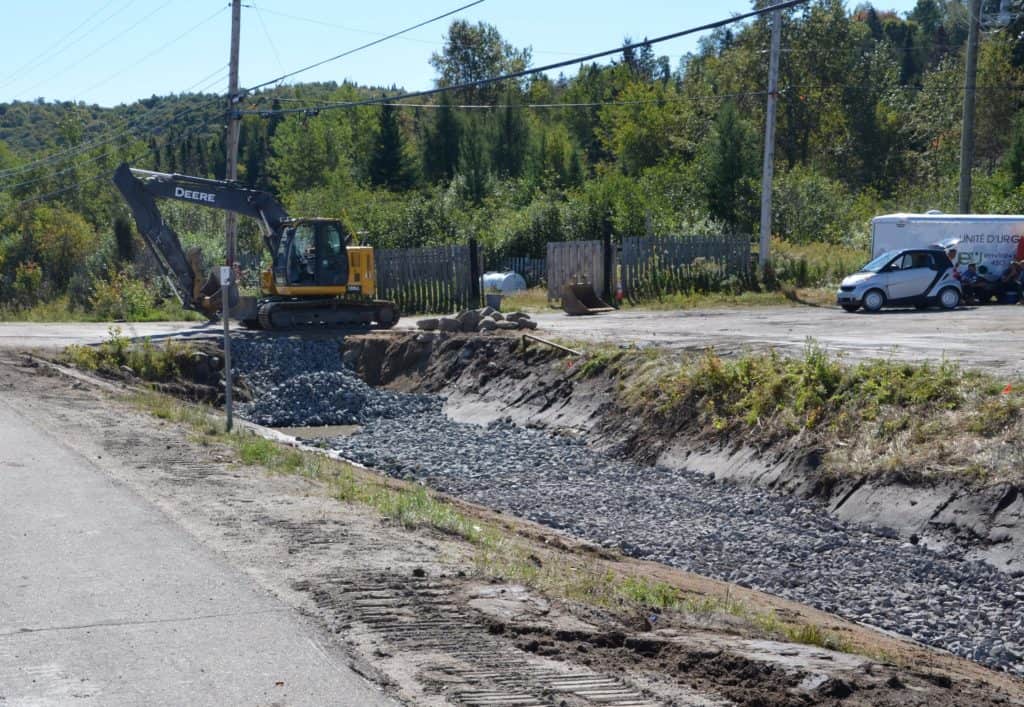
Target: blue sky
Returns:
[114, 51]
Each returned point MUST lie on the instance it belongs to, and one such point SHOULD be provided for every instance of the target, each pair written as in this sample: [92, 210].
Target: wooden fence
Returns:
[437, 279]
[577, 261]
[653, 267]
[533, 270]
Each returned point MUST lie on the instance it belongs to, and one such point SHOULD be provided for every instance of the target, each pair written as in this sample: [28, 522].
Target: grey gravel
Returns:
[749, 536]
[745, 535]
[323, 392]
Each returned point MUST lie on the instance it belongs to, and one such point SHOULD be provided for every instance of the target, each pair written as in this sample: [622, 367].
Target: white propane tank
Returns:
[504, 282]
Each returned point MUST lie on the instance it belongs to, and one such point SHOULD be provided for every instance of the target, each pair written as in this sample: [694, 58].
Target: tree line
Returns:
[868, 123]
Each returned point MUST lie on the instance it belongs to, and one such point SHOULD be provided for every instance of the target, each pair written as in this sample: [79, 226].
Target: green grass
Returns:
[147, 361]
[61, 310]
[871, 417]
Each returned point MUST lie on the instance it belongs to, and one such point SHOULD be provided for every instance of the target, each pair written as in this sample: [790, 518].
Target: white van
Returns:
[986, 240]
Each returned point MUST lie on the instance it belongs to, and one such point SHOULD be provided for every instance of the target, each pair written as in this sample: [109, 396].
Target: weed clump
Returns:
[145, 360]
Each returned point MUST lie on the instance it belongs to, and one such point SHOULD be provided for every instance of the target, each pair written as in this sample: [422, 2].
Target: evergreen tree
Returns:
[513, 137]
[388, 165]
[441, 146]
[474, 159]
[729, 169]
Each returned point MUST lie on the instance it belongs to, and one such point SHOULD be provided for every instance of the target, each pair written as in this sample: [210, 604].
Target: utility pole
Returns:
[234, 126]
[970, 83]
[768, 170]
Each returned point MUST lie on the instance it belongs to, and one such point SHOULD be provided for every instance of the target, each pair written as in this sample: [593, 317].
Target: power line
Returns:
[48, 55]
[134, 157]
[60, 42]
[156, 51]
[96, 158]
[131, 126]
[540, 69]
[281, 78]
[103, 46]
[346, 28]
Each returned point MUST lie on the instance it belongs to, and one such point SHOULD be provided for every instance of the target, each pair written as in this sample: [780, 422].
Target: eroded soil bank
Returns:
[490, 378]
[412, 611]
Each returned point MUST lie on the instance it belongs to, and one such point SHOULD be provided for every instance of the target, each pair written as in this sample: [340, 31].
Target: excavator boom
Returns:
[308, 283]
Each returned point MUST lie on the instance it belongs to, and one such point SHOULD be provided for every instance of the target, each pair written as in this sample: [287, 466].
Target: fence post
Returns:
[474, 273]
[609, 260]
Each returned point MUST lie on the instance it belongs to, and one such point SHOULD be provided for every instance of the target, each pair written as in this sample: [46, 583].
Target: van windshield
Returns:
[878, 263]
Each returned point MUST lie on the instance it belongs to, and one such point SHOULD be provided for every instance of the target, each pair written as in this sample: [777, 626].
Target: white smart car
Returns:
[912, 277]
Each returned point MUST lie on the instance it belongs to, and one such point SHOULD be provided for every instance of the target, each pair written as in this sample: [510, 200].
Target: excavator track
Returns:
[328, 313]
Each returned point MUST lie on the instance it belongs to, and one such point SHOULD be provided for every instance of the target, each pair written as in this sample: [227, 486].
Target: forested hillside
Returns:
[869, 122]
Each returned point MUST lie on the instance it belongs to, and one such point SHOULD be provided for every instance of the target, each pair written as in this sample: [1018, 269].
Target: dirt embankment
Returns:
[409, 609]
[496, 377]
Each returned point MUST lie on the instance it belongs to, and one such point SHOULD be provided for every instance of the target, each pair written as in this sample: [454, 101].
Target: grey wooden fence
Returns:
[653, 266]
[533, 270]
[437, 279]
[574, 262]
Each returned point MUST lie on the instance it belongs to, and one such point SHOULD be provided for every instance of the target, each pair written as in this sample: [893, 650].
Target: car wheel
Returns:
[874, 300]
[949, 298]
[851, 307]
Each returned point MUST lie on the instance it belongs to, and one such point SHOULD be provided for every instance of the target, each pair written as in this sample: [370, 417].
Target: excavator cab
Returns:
[311, 258]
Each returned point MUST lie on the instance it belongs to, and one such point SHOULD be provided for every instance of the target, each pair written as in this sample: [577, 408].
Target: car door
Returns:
[913, 276]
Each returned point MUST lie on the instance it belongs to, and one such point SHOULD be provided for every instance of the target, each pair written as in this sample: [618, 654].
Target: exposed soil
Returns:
[487, 378]
[414, 614]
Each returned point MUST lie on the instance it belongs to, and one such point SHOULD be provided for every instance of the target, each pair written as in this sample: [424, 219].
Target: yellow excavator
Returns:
[316, 279]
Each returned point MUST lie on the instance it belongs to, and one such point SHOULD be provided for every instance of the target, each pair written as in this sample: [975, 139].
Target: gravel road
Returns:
[748, 536]
[974, 336]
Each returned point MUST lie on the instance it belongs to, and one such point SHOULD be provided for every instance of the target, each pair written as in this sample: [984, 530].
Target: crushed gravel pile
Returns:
[298, 383]
[774, 543]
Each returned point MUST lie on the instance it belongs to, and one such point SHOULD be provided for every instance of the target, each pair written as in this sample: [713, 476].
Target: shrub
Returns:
[27, 288]
[121, 297]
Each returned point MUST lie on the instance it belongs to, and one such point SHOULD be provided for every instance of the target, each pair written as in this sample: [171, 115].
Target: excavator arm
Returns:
[141, 189]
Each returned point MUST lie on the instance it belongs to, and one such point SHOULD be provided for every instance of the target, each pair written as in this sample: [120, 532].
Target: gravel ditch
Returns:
[774, 543]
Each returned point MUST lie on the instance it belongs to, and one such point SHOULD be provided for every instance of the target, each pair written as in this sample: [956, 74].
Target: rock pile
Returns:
[299, 383]
[473, 320]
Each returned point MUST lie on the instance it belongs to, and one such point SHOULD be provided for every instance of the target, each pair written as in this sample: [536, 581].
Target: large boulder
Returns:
[527, 324]
[428, 324]
[469, 319]
[487, 324]
[506, 325]
[449, 324]
[517, 316]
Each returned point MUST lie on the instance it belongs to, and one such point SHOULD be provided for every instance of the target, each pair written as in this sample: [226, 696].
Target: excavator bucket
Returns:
[581, 299]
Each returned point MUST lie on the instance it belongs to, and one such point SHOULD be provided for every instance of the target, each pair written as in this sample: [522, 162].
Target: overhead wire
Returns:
[45, 57]
[103, 46]
[416, 26]
[530, 71]
[147, 122]
[58, 43]
[130, 125]
[159, 49]
[347, 28]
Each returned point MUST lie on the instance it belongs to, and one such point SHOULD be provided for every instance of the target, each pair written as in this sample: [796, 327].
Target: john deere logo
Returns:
[183, 193]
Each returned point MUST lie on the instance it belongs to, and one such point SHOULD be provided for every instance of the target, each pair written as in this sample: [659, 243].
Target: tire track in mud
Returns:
[478, 668]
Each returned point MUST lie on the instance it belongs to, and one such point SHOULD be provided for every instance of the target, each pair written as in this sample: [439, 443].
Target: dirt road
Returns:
[980, 337]
[107, 601]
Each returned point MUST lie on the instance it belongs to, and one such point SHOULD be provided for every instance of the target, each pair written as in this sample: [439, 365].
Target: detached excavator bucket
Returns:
[581, 299]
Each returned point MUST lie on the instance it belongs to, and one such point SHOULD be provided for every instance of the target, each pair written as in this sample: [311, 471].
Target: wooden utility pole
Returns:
[970, 83]
[234, 127]
[768, 169]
